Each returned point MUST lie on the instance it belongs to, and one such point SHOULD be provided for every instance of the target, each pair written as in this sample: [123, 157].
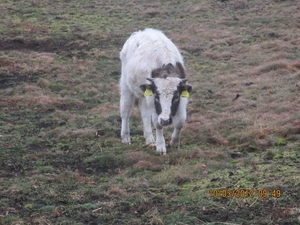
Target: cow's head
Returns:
[168, 86]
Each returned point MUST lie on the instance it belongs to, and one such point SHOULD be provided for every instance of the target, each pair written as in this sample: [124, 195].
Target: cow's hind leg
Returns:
[126, 105]
[175, 138]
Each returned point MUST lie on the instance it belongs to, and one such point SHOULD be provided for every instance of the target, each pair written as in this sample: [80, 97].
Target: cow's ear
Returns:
[188, 88]
[143, 87]
[185, 90]
[183, 86]
[147, 89]
[183, 82]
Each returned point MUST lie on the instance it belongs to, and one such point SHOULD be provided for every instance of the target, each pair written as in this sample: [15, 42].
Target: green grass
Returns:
[61, 160]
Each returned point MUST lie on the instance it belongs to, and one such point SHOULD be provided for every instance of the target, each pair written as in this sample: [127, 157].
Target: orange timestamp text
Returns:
[244, 193]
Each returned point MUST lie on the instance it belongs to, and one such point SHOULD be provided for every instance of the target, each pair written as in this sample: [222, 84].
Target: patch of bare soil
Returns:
[14, 79]
[62, 45]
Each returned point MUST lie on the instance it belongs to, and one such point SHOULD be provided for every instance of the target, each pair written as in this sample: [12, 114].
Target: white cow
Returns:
[153, 73]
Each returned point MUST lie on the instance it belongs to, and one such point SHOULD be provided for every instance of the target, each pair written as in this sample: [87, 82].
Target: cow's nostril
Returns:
[166, 122]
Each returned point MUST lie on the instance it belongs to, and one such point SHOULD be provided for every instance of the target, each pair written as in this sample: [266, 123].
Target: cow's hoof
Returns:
[161, 149]
[175, 144]
[126, 140]
[150, 145]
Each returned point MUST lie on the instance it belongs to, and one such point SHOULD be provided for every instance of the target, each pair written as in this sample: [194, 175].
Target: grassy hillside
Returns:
[61, 160]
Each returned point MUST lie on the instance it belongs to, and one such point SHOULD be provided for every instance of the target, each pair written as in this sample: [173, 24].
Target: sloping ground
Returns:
[61, 159]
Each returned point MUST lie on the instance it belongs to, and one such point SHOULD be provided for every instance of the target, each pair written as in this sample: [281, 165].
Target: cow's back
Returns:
[143, 52]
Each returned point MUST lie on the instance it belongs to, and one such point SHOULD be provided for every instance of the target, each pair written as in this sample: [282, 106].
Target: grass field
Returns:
[61, 160]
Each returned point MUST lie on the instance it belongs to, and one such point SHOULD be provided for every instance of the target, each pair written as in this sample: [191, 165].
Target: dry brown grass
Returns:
[133, 157]
[142, 160]
[19, 62]
[266, 104]
[151, 12]
[142, 164]
[155, 220]
[40, 102]
[78, 133]
[106, 110]
[56, 97]
[116, 192]
[182, 178]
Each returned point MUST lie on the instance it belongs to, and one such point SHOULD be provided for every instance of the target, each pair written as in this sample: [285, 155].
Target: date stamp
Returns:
[244, 193]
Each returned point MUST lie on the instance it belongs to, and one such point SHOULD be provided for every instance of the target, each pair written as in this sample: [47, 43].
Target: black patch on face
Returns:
[176, 97]
[157, 103]
[153, 88]
[175, 103]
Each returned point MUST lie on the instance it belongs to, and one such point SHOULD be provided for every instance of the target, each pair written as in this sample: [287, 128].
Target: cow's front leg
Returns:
[160, 140]
[178, 121]
[146, 117]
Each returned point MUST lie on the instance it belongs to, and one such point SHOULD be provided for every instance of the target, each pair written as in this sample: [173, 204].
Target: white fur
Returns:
[143, 52]
[166, 87]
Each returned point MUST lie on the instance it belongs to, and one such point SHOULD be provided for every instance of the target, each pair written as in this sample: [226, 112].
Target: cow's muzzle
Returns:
[166, 122]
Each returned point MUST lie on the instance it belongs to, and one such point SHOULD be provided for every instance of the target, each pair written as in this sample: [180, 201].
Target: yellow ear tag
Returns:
[185, 94]
[148, 92]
